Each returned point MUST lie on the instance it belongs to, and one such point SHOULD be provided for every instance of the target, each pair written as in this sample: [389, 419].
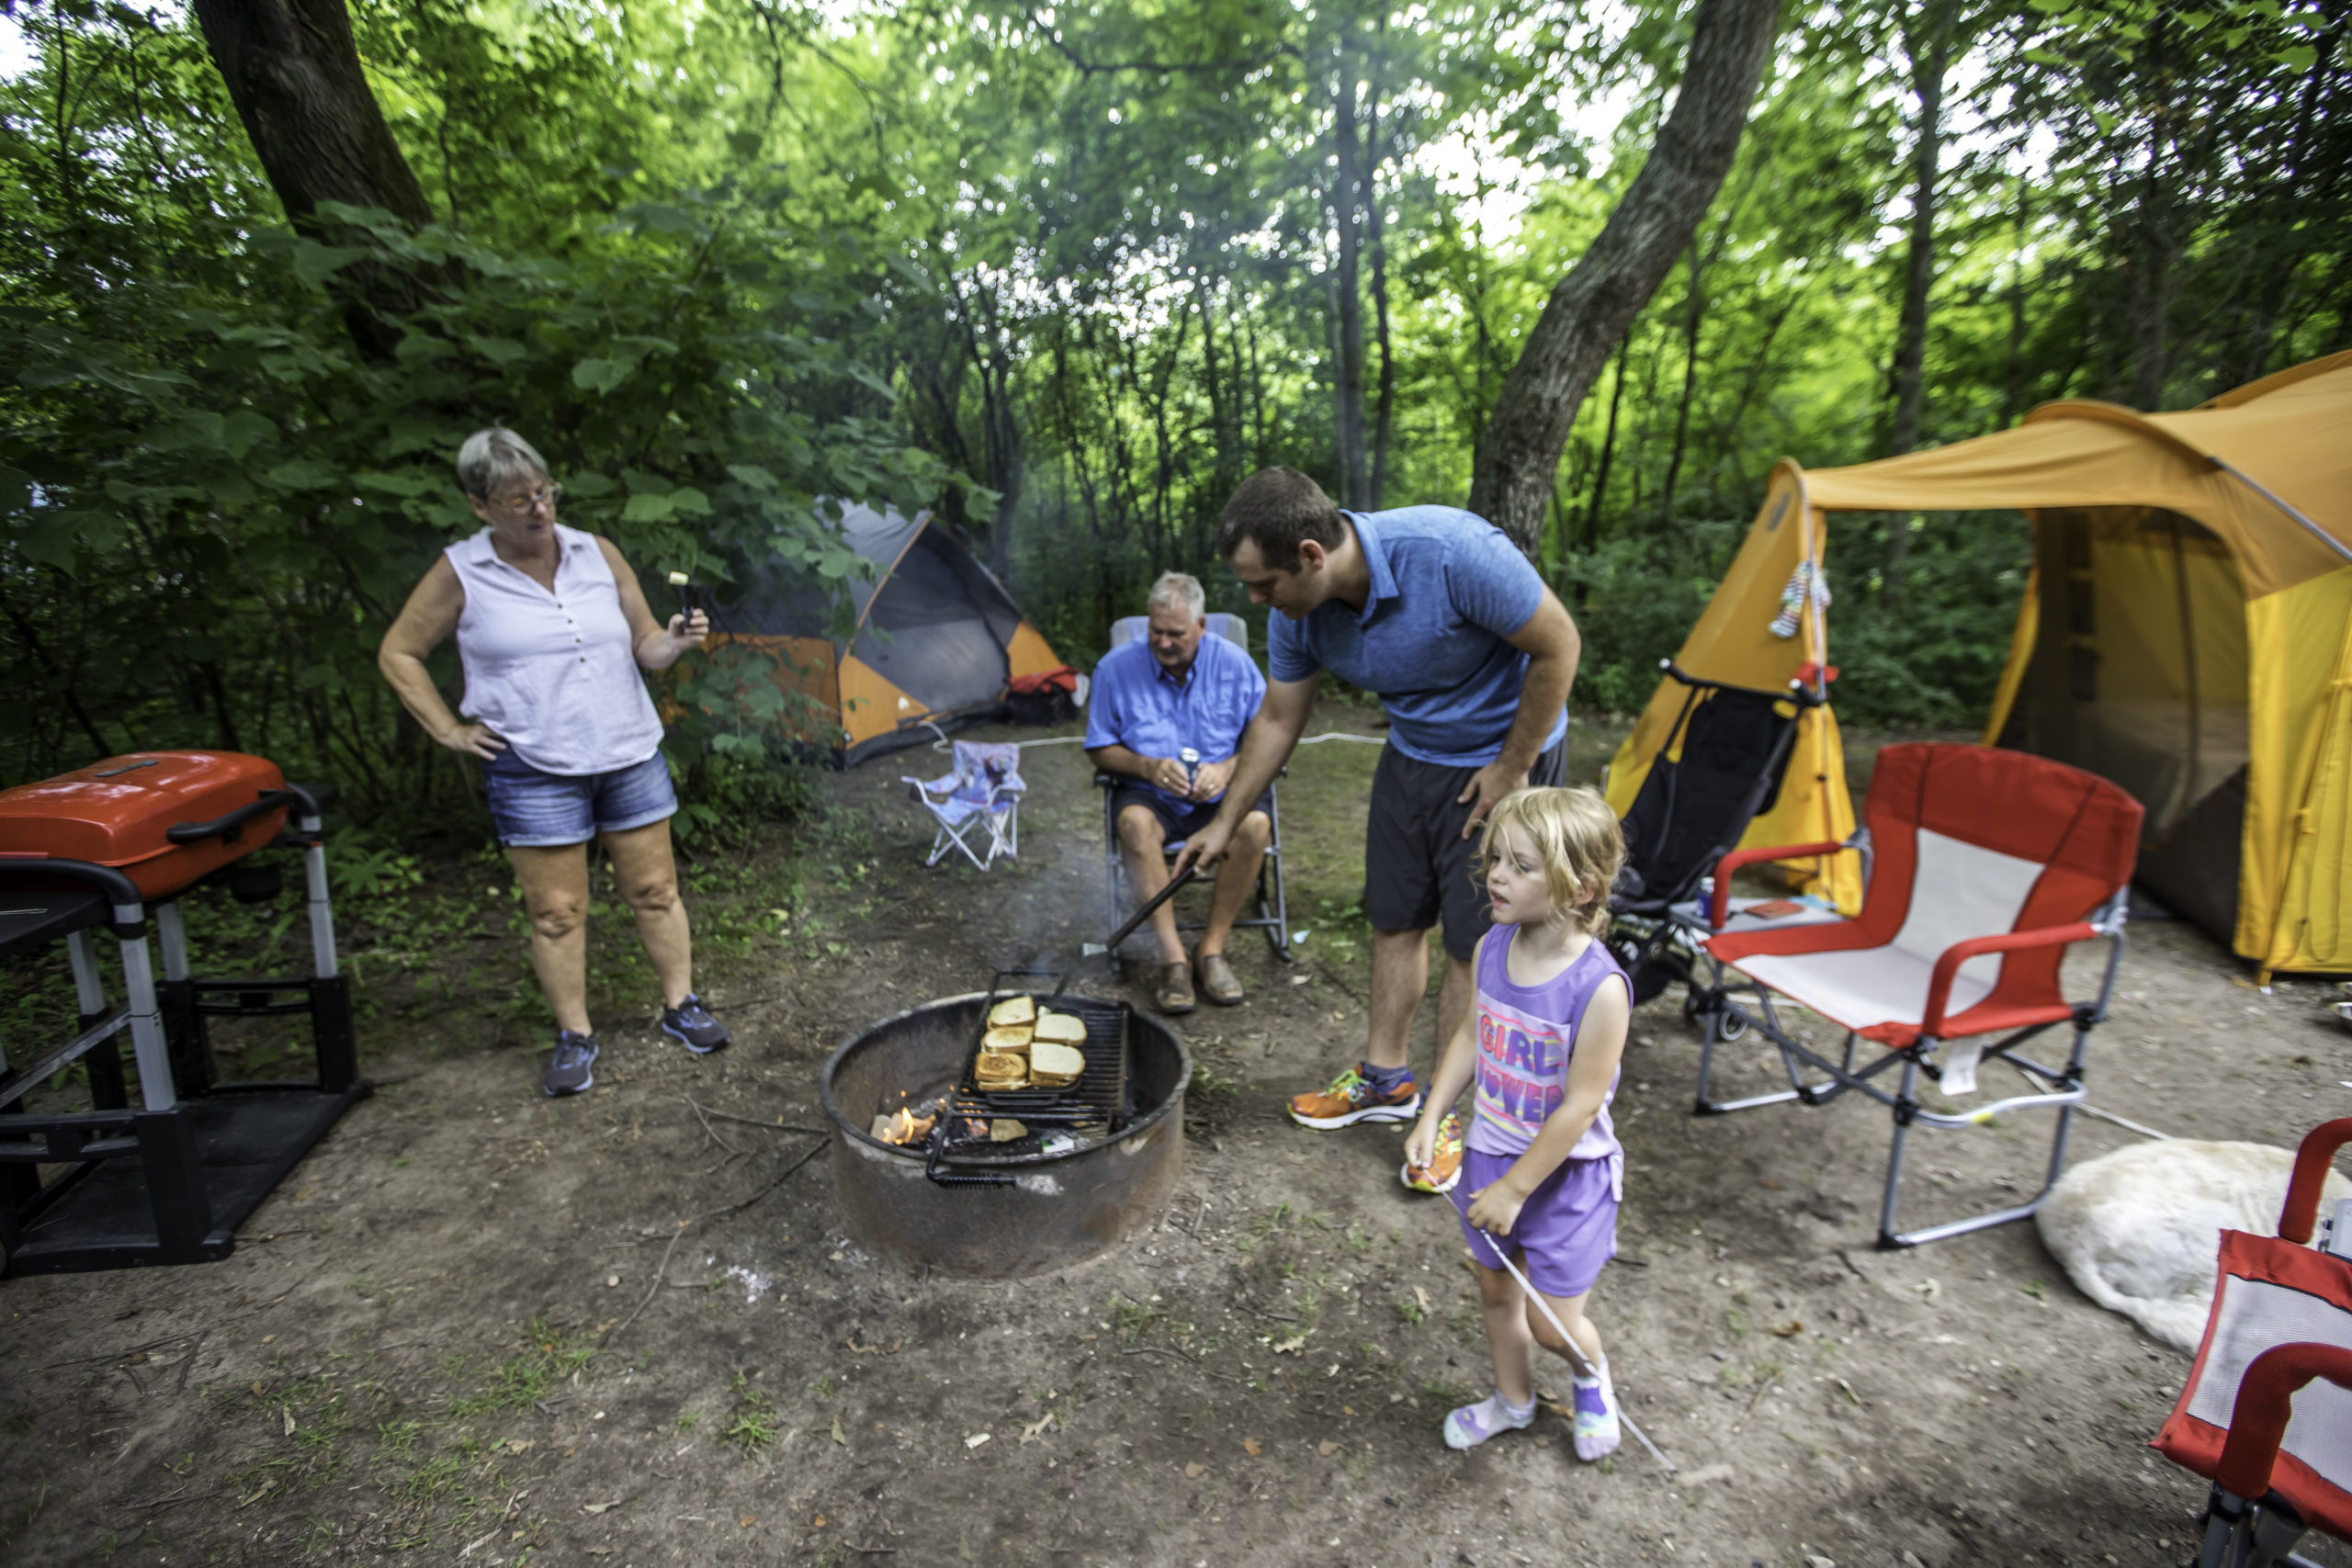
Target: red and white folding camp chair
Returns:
[2280, 1460]
[1986, 867]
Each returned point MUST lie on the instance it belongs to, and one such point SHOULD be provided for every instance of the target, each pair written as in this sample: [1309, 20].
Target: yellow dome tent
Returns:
[2186, 631]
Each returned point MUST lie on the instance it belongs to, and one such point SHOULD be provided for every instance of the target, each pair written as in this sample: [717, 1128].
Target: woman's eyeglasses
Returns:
[545, 495]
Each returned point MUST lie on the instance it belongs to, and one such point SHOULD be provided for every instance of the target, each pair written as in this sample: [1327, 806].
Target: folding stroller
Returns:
[983, 792]
[1720, 768]
[2280, 1460]
[1987, 866]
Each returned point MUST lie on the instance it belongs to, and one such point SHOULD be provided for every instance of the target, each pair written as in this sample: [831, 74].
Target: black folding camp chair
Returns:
[1273, 899]
[1719, 769]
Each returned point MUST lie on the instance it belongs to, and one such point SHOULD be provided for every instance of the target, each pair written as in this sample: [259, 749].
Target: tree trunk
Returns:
[1601, 477]
[1591, 308]
[2155, 242]
[1928, 41]
[1347, 179]
[294, 74]
[1384, 420]
[1690, 387]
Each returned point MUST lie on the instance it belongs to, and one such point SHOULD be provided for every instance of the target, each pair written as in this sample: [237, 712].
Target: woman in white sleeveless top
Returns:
[552, 629]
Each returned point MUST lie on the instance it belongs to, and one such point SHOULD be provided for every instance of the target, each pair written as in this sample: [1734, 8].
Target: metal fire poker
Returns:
[1575, 1352]
[1140, 916]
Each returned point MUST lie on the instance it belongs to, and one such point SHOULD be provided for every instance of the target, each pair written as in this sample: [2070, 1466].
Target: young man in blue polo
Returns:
[1152, 701]
[1433, 610]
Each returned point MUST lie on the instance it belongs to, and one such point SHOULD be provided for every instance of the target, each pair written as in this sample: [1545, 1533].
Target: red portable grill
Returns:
[170, 1180]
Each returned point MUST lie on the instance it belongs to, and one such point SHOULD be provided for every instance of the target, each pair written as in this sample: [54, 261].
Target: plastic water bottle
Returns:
[1192, 761]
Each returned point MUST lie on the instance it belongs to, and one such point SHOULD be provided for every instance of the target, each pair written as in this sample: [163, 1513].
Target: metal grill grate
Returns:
[1094, 1107]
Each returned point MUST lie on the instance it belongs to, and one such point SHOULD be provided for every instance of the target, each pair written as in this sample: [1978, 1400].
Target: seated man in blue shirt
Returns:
[1434, 610]
[1174, 691]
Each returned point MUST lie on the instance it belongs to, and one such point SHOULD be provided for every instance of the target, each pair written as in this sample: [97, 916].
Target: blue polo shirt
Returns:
[1137, 704]
[1447, 589]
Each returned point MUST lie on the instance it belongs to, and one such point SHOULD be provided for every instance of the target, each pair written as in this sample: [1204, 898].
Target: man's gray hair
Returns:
[490, 457]
[1177, 590]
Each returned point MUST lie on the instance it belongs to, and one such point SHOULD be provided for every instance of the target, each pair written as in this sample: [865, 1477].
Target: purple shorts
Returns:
[1565, 1232]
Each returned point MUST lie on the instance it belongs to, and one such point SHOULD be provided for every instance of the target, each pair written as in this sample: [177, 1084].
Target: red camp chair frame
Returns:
[2090, 829]
[2264, 1497]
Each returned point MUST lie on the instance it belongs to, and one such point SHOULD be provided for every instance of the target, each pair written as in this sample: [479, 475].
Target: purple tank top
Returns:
[1526, 1035]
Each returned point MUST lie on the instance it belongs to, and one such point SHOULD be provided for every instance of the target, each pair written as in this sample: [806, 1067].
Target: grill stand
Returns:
[171, 1181]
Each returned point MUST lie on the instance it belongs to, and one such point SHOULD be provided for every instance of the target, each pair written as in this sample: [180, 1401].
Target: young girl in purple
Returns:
[1546, 1171]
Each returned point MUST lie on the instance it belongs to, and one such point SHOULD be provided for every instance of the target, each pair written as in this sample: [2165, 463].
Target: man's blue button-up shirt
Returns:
[1137, 704]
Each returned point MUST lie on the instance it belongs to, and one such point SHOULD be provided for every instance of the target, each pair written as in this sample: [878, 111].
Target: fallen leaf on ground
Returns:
[288, 1414]
[1035, 1429]
[1422, 1298]
[977, 1438]
[1327, 1447]
[1347, 1409]
[1292, 1346]
[1251, 1446]
[839, 1435]
[1790, 1328]
[746, 1522]
[267, 1488]
[818, 1523]
[1195, 1471]
[599, 1507]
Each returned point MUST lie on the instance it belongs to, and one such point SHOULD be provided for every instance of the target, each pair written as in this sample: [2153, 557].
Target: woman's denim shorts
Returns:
[535, 810]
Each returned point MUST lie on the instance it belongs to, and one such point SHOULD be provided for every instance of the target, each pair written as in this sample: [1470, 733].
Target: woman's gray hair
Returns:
[490, 457]
[1177, 590]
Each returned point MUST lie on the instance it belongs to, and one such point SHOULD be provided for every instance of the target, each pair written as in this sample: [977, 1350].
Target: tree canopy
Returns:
[1068, 274]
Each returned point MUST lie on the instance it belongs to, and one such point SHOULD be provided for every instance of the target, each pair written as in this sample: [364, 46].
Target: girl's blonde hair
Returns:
[1577, 838]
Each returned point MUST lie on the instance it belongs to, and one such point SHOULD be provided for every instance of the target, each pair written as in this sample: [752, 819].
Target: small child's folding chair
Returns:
[2267, 1412]
[982, 794]
[1986, 865]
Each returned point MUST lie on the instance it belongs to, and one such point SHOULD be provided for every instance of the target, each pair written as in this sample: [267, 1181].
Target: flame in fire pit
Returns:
[900, 1127]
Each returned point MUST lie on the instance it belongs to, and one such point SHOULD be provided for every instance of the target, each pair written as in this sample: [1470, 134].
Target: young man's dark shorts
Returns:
[1177, 821]
[1416, 862]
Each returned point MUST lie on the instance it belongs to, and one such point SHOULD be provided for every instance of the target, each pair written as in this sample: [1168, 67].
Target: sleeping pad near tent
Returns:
[2186, 631]
[935, 642]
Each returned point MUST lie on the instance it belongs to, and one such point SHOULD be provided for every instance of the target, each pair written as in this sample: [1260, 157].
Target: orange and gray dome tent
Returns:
[2186, 631]
[934, 643]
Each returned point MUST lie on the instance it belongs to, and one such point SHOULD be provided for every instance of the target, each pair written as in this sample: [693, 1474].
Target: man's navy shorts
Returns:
[1177, 822]
[1416, 862]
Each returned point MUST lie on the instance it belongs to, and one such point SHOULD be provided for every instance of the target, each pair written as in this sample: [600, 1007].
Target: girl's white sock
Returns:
[1474, 1423]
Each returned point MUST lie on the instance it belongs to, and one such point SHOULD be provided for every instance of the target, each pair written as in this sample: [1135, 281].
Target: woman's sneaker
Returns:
[1352, 1098]
[690, 1025]
[567, 1070]
[1444, 1170]
[1474, 1423]
[1597, 1433]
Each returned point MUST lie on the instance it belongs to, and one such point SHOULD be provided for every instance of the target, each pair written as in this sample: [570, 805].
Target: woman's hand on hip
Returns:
[473, 740]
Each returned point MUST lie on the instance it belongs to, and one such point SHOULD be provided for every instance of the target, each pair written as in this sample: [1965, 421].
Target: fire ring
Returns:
[1042, 1203]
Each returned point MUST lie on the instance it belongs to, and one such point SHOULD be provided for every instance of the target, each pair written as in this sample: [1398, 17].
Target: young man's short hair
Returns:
[1277, 509]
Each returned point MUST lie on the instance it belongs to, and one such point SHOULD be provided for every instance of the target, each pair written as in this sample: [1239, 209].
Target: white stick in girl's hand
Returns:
[685, 587]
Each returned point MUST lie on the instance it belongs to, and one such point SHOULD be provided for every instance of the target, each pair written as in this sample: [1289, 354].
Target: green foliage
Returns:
[1067, 277]
[214, 502]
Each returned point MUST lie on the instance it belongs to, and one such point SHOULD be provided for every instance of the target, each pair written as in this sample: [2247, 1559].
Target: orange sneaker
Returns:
[1446, 1160]
[1351, 1099]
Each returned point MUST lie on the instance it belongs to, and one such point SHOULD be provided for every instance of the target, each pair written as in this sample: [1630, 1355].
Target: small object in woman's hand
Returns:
[685, 587]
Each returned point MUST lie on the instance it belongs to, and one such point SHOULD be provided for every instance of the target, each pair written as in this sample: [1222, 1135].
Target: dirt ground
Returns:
[444, 1341]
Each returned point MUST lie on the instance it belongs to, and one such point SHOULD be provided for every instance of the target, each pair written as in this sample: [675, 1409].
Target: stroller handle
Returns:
[1804, 697]
[2313, 1158]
